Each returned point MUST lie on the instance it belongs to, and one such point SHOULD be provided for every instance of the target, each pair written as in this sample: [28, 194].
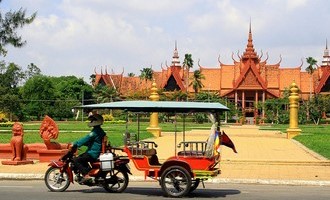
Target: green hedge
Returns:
[6, 124]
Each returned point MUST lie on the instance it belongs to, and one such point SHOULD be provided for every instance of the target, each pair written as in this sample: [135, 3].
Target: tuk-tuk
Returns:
[193, 161]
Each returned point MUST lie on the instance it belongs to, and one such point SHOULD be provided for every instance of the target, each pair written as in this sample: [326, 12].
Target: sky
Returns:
[79, 37]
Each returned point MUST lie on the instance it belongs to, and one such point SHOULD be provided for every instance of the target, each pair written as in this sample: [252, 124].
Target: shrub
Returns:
[6, 124]
[200, 118]
[108, 117]
[3, 117]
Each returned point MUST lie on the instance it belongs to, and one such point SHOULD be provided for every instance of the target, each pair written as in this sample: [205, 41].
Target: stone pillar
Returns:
[263, 104]
[293, 129]
[236, 100]
[153, 127]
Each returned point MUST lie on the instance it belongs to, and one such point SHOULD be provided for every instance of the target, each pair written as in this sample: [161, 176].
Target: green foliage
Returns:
[188, 62]
[276, 110]
[6, 124]
[10, 77]
[3, 117]
[32, 70]
[73, 88]
[200, 118]
[130, 74]
[317, 106]
[146, 74]
[311, 63]
[302, 117]
[196, 81]
[39, 96]
[176, 95]
[215, 97]
[10, 23]
[105, 94]
[108, 117]
[284, 117]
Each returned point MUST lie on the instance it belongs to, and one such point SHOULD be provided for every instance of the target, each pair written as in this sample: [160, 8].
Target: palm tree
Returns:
[146, 74]
[92, 79]
[310, 70]
[197, 81]
[105, 94]
[130, 74]
[187, 64]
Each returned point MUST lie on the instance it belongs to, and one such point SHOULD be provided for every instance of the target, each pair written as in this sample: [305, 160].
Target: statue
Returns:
[19, 149]
[44, 152]
[48, 131]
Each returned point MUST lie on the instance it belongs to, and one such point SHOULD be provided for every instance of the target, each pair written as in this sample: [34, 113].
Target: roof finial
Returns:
[326, 43]
[250, 26]
[175, 60]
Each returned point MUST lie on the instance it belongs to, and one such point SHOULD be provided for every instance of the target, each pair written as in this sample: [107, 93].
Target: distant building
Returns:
[247, 81]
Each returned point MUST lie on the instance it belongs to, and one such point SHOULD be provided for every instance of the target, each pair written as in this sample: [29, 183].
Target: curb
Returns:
[14, 176]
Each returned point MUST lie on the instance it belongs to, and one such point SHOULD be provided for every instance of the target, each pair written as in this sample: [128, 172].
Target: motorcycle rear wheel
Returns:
[116, 182]
[55, 180]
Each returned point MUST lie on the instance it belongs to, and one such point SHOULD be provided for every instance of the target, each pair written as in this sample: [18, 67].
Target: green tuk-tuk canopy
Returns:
[159, 106]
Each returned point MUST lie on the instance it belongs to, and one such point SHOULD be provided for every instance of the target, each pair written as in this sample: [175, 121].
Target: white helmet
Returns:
[96, 120]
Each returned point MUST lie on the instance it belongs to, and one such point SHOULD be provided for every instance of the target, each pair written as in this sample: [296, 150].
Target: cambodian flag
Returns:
[225, 140]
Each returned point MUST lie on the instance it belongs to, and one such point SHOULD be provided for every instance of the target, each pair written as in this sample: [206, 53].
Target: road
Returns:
[37, 190]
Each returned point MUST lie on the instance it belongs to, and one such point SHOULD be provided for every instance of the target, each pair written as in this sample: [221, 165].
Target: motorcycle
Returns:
[110, 172]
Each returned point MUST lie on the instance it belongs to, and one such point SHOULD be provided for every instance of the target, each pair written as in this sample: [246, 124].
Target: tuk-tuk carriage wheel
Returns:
[176, 181]
[194, 184]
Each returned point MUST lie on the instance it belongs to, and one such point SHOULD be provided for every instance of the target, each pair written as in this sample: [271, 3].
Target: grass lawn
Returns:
[73, 130]
[314, 137]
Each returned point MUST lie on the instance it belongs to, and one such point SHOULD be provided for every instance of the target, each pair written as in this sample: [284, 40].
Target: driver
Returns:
[93, 141]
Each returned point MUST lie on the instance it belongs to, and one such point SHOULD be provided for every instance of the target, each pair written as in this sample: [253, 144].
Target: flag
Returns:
[225, 140]
[217, 143]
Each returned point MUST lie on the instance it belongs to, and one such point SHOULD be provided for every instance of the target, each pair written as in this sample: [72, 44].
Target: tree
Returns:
[130, 74]
[70, 91]
[105, 94]
[187, 64]
[32, 70]
[10, 77]
[310, 70]
[197, 81]
[146, 74]
[318, 105]
[10, 22]
[39, 96]
[92, 79]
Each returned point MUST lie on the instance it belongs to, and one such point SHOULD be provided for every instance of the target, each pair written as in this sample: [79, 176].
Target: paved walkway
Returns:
[263, 157]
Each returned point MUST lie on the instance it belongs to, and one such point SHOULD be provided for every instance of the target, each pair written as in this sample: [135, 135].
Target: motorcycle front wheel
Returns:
[116, 181]
[55, 180]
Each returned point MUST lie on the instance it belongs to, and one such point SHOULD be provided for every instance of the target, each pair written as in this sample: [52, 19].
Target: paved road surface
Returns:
[36, 190]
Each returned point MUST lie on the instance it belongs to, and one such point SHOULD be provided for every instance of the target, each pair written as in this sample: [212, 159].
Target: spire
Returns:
[326, 43]
[326, 56]
[250, 26]
[175, 60]
[249, 51]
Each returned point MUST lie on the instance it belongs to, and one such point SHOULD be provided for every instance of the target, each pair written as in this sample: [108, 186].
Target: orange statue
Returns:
[48, 131]
[19, 149]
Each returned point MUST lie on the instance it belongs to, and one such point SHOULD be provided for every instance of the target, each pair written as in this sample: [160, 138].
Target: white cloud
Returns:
[72, 37]
[293, 4]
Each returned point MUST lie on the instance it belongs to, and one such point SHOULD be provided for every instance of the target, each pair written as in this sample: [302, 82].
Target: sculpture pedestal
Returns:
[13, 162]
[292, 132]
[156, 131]
[46, 155]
